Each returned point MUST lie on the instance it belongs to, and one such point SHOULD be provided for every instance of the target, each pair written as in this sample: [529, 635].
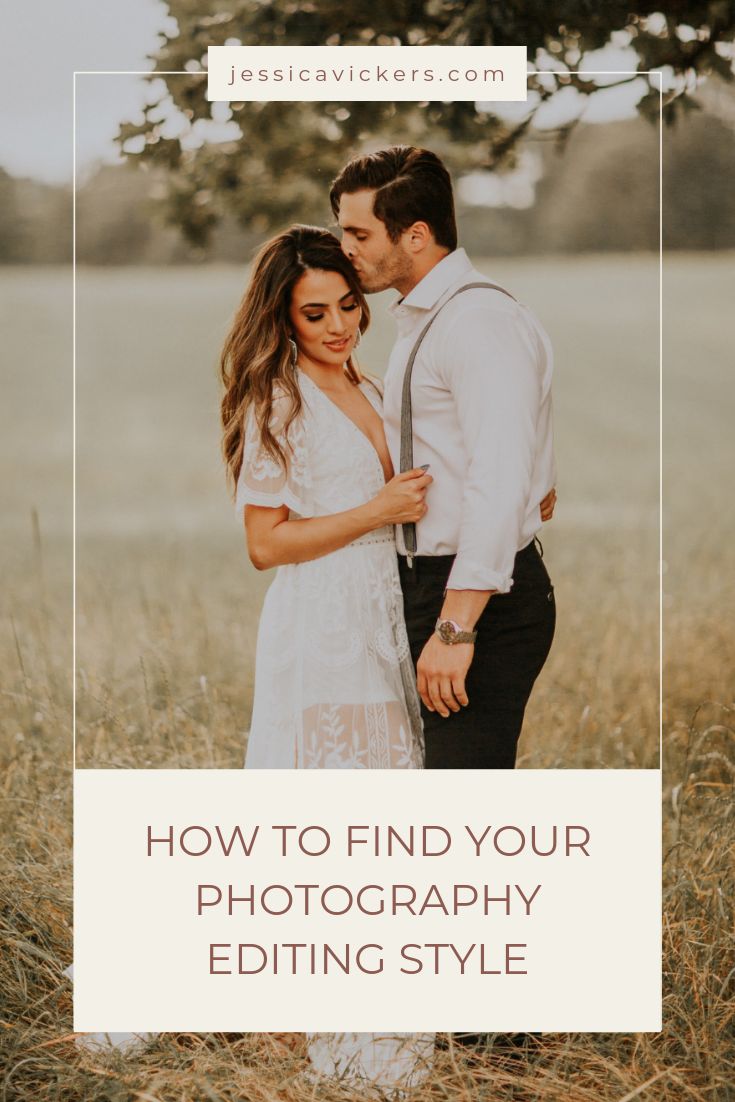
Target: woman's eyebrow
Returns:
[311, 305]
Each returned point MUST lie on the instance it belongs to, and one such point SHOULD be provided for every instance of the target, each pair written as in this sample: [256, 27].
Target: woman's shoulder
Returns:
[278, 410]
[283, 403]
[281, 399]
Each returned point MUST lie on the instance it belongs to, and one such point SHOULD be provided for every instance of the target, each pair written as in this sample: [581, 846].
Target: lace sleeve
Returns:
[263, 480]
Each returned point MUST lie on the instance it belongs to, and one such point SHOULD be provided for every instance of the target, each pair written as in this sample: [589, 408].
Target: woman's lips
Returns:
[337, 346]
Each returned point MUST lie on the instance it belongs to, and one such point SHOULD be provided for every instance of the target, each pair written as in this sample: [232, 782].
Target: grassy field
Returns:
[168, 604]
[167, 600]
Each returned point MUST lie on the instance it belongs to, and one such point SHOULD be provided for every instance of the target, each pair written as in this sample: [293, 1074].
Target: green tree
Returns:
[301, 145]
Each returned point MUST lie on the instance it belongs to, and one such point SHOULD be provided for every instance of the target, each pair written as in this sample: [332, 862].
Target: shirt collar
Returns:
[428, 291]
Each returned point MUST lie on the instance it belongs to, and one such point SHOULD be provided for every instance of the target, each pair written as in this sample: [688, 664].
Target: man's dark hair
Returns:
[410, 185]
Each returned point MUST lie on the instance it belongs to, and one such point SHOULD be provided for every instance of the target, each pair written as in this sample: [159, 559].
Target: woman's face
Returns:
[325, 317]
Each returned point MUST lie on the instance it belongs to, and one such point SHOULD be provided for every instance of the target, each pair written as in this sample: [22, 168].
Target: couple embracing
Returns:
[365, 658]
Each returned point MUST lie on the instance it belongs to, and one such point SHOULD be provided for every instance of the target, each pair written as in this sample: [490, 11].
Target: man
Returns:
[478, 602]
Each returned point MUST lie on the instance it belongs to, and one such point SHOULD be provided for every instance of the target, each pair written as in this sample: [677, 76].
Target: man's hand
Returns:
[441, 673]
[547, 505]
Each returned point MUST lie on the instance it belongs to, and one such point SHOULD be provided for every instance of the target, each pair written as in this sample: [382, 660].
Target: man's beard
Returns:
[372, 285]
[382, 278]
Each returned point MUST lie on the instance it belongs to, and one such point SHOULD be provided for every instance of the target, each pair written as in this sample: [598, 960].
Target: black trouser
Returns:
[514, 637]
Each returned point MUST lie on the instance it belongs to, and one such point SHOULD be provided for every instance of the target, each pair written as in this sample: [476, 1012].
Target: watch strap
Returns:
[456, 636]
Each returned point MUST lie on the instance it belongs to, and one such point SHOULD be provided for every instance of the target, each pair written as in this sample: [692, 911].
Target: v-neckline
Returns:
[349, 420]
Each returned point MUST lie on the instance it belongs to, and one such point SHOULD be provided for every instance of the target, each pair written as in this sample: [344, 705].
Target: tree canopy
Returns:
[301, 145]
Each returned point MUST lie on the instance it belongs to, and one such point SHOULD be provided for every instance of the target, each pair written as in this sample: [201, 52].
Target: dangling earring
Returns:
[358, 338]
[294, 352]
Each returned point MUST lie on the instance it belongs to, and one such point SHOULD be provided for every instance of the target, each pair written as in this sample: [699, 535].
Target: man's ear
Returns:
[418, 237]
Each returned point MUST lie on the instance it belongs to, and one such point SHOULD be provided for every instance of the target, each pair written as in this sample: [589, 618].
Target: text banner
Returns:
[367, 900]
[344, 73]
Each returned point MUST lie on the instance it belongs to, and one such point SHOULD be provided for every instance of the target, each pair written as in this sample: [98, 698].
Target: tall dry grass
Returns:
[693, 1058]
[166, 632]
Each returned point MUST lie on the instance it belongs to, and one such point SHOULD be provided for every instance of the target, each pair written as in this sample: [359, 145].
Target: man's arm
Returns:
[492, 372]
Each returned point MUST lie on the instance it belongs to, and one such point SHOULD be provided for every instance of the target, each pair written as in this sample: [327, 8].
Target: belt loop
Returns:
[540, 545]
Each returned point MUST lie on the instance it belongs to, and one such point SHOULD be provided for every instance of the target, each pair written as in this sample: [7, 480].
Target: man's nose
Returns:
[347, 249]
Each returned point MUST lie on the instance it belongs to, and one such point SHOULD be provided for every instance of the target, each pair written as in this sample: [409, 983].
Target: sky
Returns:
[36, 134]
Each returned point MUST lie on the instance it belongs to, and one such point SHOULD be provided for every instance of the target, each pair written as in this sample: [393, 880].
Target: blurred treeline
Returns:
[598, 193]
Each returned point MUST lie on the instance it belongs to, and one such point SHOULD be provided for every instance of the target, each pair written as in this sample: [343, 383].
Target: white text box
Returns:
[344, 73]
[563, 935]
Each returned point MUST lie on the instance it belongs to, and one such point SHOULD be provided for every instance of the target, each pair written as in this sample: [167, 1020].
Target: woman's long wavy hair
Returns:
[256, 358]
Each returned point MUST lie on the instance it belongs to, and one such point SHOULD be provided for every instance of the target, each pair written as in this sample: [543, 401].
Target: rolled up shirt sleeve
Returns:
[490, 364]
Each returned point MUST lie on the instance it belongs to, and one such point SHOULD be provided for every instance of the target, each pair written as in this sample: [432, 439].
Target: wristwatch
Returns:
[450, 632]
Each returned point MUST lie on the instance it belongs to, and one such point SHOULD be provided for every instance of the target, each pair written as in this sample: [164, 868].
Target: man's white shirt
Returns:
[482, 419]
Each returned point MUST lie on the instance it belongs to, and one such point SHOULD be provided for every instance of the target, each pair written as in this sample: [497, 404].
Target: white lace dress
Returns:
[334, 682]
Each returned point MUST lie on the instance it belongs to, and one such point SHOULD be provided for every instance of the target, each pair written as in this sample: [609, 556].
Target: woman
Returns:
[304, 446]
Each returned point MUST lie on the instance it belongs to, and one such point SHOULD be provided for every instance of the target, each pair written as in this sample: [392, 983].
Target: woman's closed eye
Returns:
[345, 309]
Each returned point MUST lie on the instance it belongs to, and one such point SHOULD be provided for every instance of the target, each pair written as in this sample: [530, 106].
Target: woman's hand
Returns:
[402, 499]
[547, 505]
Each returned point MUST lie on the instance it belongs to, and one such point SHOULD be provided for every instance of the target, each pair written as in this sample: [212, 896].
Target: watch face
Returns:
[447, 631]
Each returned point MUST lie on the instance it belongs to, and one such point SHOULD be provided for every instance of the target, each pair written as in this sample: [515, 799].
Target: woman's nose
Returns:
[336, 322]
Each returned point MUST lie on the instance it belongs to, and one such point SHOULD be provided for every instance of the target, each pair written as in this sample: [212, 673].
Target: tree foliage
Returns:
[301, 145]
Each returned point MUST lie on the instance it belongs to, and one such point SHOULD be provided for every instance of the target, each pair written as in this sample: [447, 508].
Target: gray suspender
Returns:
[409, 529]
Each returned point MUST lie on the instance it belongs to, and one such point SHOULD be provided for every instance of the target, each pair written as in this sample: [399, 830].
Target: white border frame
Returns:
[183, 72]
[541, 72]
